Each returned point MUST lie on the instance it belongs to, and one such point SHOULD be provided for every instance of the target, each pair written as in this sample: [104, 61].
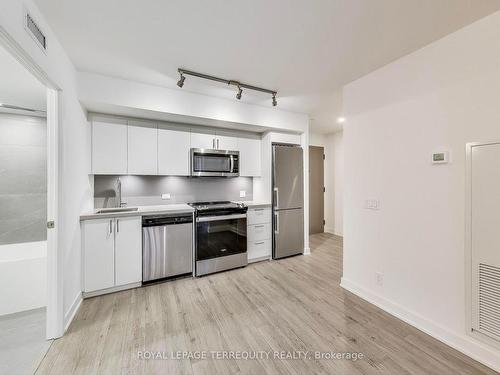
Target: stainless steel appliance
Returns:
[214, 163]
[288, 201]
[221, 236]
[167, 246]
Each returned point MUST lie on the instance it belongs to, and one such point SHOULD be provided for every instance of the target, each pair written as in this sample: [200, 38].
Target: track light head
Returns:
[180, 83]
[275, 103]
[238, 95]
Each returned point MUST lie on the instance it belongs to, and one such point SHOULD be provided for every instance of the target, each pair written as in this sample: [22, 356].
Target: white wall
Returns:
[438, 98]
[334, 184]
[74, 137]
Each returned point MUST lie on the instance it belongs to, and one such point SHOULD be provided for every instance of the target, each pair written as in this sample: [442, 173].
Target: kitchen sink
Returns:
[117, 210]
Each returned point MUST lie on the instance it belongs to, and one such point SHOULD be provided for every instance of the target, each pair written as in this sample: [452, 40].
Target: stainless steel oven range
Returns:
[221, 236]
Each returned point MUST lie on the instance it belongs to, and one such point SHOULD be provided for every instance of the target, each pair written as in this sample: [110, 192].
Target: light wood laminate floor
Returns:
[290, 305]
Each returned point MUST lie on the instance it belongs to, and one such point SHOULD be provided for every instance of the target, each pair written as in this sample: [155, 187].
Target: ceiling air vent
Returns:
[35, 32]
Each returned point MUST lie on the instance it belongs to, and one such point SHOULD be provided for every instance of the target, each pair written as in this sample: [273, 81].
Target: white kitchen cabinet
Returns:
[250, 157]
[142, 148]
[98, 244]
[259, 233]
[128, 250]
[112, 254]
[109, 147]
[203, 140]
[212, 140]
[173, 152]
[224, 142]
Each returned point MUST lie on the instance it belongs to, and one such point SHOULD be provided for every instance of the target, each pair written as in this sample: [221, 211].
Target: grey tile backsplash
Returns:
[23, 179]
[147, 190]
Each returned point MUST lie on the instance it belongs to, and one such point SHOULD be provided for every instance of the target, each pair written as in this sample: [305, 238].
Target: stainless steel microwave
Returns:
[214, 163]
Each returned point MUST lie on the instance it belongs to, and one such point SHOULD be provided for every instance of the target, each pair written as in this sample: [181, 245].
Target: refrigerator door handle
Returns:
[276, 198]
[277, 223]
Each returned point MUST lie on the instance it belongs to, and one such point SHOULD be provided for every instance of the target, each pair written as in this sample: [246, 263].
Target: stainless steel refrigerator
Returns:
[288, 201]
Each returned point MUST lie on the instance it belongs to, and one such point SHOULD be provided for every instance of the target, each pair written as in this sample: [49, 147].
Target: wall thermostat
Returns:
[440, 157]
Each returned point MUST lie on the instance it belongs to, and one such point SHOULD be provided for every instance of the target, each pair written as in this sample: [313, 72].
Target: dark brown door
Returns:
[316, 189]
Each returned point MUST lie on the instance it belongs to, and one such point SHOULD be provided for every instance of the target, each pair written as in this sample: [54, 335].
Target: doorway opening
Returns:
[316, 189]
[28, 153]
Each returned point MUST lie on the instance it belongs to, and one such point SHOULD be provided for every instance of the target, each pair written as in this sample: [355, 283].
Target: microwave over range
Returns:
[214, 163]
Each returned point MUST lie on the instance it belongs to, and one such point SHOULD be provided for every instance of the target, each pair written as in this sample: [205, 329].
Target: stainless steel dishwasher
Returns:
[167, 246]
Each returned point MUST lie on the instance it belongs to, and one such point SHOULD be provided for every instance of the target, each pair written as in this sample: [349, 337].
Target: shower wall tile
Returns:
[23, 179]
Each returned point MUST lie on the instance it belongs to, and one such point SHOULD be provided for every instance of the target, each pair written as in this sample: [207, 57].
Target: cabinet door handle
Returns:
[217, 143]
[259, 243]
[259, 226]
[258, 209]
[213, 143]
[110, 226]
[117, 225]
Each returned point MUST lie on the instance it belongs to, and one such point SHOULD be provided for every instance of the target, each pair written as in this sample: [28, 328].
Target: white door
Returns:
[203, 140]
[109, 147]
[224, 142]
[128, 250]
[173, 152]
[485, 225]
[142, 148]
[250, 157]
[98, 248]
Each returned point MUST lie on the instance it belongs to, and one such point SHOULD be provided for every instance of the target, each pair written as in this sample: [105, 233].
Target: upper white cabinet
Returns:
[224, 142]
[203, 140]
[173, 152]
[250, 157]
[109, 147]
[212, 140]
[121, 147]
[142, 148]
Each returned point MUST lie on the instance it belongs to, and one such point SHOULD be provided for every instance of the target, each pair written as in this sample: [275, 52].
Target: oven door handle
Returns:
[231, 167]
[219, 218]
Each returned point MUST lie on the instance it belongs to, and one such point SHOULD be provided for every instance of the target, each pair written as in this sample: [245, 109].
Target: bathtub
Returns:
[23, 276]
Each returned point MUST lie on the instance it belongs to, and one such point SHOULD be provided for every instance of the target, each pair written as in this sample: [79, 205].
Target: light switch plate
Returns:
[165, 196]
[243, 193]
[372, 204]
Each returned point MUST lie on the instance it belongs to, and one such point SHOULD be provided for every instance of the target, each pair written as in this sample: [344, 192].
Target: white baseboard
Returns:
[329, 230]
[463, 343]
[70, 314]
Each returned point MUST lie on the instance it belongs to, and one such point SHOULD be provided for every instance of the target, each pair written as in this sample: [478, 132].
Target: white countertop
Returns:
[141, 211]
[161, 209]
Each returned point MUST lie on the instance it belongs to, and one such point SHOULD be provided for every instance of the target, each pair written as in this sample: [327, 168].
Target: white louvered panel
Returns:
[489, 300]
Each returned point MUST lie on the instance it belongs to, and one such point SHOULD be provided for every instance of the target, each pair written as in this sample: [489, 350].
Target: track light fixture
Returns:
[239, 85]
[180, 82]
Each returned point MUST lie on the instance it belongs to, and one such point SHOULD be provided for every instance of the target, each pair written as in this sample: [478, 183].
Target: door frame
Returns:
[468, 245]
[324, 186]
[55, 308]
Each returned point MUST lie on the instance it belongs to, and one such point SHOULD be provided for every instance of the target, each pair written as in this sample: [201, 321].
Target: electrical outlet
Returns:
[243, 193]
[379, 278]
[165, 196]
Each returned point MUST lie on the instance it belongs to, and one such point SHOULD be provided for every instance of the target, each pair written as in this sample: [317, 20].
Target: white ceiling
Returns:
[307, 50]
[17, 86]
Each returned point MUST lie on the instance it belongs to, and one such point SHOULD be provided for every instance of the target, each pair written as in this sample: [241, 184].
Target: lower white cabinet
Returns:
[112, 253]
[259, 233]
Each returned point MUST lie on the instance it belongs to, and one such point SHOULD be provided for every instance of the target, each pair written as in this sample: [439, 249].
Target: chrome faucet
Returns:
[118, 193]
